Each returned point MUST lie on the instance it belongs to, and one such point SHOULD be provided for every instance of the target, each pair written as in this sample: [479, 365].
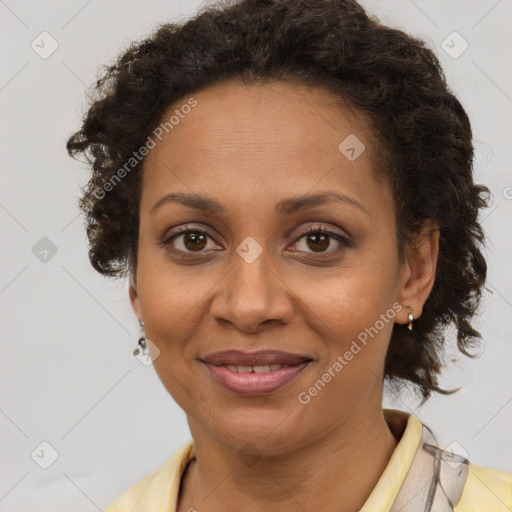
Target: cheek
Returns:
[354, 314]
[170, 295]
[351, 297]
[354, 362]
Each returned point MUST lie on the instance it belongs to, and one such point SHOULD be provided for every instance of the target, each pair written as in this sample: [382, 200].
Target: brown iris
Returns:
[197, 241]
[321, 241]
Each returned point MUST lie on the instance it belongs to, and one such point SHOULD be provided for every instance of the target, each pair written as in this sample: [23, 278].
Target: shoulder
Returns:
[158, 490]
[486, 490]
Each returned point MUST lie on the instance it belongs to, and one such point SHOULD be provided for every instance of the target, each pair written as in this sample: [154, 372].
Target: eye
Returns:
[319, 240]
[188, 239]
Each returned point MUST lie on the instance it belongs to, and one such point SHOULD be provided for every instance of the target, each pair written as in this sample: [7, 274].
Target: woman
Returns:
[288, 185]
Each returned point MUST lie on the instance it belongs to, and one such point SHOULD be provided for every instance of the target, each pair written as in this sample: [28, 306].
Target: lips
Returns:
[256, 373]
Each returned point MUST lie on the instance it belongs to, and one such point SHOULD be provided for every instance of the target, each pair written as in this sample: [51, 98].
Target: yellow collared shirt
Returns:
[485, 489]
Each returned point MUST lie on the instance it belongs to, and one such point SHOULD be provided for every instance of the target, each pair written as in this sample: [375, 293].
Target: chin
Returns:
[272, 432]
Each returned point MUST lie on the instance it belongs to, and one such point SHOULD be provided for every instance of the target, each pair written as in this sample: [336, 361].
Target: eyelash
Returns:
[311, 230]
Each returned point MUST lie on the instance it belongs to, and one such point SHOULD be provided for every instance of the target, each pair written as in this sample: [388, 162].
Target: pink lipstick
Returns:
[255, 373]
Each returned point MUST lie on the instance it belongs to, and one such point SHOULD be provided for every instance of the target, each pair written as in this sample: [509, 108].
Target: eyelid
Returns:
[325, 229]
[180, 230]
[343, 240]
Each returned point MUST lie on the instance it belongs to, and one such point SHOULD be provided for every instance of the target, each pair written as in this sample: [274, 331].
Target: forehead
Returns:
[255, 113]
[260, 137]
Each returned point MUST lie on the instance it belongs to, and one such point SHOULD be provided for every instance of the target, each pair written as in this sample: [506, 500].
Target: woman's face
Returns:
[251, 159]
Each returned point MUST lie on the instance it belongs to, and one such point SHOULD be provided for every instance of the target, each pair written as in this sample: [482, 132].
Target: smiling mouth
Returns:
[257, 373]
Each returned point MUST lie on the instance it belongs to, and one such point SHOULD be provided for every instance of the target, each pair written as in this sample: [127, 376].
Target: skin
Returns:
[248, 147]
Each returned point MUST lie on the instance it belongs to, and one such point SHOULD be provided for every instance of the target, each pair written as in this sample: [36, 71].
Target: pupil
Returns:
[323, 239]
[195, 237]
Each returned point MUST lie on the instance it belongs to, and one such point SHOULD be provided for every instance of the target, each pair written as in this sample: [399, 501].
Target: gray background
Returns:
[67, 375]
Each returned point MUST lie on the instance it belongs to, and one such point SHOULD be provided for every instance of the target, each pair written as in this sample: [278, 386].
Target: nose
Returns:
[253, 295]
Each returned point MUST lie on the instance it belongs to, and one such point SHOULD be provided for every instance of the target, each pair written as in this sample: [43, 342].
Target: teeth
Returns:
[261, 369]
[255, 369]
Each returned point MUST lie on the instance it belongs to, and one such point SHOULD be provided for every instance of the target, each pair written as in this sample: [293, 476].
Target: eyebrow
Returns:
[284, 207]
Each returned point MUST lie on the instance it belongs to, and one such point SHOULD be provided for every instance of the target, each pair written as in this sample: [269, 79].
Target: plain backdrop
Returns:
[68, 378]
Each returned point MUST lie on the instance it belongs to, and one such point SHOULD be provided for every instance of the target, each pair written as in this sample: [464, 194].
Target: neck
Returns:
[338, 471]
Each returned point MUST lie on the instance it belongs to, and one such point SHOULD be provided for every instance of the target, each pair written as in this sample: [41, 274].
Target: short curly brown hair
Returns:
[423, 133]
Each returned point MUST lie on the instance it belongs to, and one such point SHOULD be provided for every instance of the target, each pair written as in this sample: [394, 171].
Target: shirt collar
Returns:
[391, 480]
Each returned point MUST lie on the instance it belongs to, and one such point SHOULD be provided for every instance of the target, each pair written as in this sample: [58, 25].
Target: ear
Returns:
[134, 295]
[418, 271]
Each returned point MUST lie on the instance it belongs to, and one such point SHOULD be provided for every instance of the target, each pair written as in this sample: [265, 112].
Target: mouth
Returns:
[256, 373]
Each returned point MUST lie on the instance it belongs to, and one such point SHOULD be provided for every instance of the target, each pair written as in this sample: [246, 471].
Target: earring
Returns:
[410, 318]
[141, 347]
